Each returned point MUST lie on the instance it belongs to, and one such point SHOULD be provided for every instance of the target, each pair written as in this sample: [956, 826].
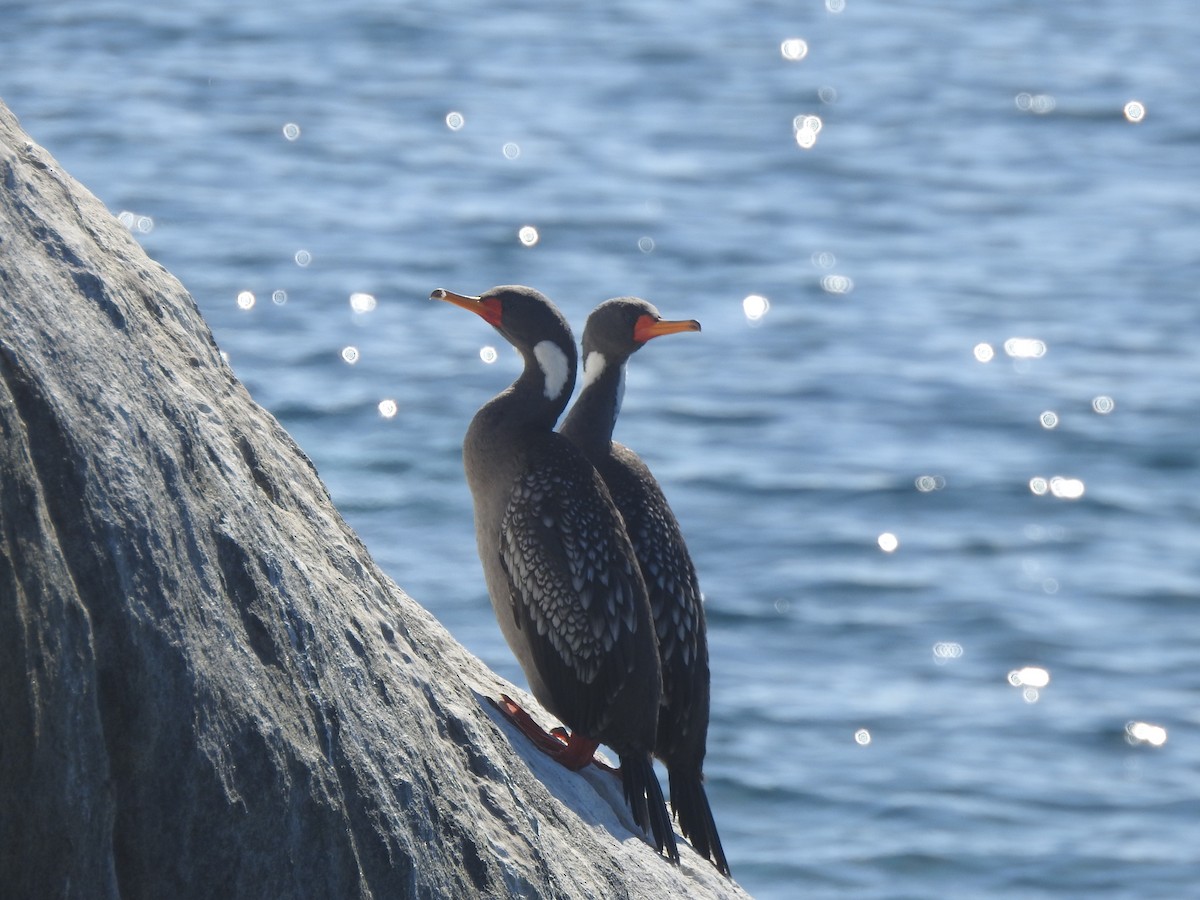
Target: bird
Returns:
[616, 330]
[560, 569]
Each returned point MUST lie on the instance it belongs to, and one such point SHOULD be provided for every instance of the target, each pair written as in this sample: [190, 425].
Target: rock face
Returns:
[207, 687]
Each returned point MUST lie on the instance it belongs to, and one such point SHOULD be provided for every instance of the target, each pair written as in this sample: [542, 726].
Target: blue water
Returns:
[975, 179]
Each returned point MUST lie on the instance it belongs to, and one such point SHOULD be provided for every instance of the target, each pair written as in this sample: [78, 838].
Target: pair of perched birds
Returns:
[588, 574]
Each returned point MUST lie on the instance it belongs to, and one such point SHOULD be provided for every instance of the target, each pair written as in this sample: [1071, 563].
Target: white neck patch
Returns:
[593, 367]
[554, 367]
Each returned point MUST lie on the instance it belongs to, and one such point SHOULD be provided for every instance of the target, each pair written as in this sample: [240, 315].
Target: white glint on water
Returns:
[1145, 733]
[794, 49]
[755, 306]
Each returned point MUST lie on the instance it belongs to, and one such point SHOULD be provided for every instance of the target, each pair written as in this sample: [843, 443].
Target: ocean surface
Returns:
[935, 451]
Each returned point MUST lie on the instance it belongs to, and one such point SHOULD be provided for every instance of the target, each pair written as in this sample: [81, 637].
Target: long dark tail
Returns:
[644, 795]
[690, 803]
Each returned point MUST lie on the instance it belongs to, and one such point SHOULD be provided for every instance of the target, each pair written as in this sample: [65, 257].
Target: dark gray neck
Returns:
[589, 424]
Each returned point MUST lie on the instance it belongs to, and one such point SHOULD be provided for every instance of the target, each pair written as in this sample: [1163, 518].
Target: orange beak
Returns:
[489, 310]
[648, 327]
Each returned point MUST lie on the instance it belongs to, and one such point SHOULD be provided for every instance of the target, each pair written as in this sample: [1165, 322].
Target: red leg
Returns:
[571, 750]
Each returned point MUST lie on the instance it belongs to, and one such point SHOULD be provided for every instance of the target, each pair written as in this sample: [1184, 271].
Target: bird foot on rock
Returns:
[573, 751]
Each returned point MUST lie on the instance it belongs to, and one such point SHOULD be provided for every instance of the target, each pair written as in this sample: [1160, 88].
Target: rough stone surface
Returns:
[207, 687]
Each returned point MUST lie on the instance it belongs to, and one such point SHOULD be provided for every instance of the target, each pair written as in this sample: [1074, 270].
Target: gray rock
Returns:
[207, 686]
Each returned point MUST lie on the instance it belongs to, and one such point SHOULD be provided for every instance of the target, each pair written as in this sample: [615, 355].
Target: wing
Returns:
[575, 587]
[673, 590]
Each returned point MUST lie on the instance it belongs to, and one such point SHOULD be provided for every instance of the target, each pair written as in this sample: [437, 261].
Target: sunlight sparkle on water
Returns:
[488, 354]
[927, 483]
[511, 150]
[362, 303]
[837, 284]
[291, 131]
[944, 651]
[1135, 111]
[1103, 404]
[862, 737]
[1025, 348]
[984, 352]
[303, 258]
[888, 542]
[646, 244]
[794, 49]
[245, 300]
[455, 121]
[279, 297]
[1145, 733]
[388, 408]
[1031, 680]
[806, 128]
[1038, 104]
[350, 355]
[755, 306]
[134, 222]
[1049, 419]
[835, 6]
[528, 235]
[1029, 676]
[1058, 486]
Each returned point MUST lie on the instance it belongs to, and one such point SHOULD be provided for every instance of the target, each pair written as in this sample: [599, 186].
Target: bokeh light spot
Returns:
[362, 303]
[1066, 488]
[303, 258]
[455, 121]
[488, 354]
[1103, 404]
[1049, 419]
[888, 542]
[291, 131]
[1029, 676]
[984, 352]
[837, 284]
[862, 737]
[528, 235]
[1135, 111]
[928, 483]
[511, 150]
[1025, 348]
[755, 306]
[794, 49]
[245, 300]
[944, 651]
[279, 297]
[388, 409]
[350, 355]
[806, 128]
[1145, 733]
[646, 244]
[1038, 104]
